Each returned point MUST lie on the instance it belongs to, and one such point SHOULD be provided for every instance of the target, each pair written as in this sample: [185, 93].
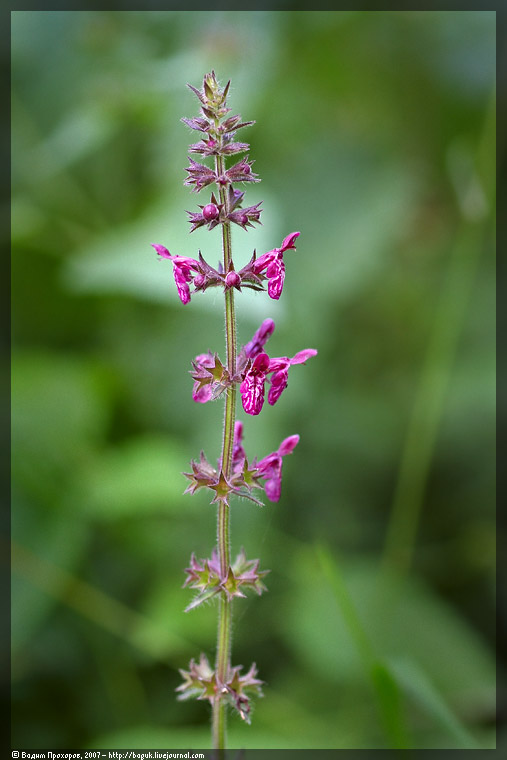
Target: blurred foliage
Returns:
[374, 136]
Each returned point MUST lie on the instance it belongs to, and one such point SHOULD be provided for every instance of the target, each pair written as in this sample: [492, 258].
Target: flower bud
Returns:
[210, 212]
[232, 280]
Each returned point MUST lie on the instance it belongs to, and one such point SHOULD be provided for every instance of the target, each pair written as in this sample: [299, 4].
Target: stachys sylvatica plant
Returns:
[250, 367]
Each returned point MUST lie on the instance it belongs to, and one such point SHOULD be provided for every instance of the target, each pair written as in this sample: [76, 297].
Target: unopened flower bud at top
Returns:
[232, 280]
[210, 212]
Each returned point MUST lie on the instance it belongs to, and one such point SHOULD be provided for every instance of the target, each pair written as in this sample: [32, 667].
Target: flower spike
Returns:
[251, 368]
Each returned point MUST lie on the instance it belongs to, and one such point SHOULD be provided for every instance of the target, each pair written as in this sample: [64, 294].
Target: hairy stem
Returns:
[223, 527]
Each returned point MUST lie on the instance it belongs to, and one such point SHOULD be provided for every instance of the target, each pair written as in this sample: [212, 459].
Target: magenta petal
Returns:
[238, 452]
[260, 363]
[275, 287]
[204, 360]
[276, 275]
[268, 463]
[278, 384]
[185, 263]
[271, 466]
[238, 433]
[182, 286]
[266, 330]
[288, 445]
[288, 242]
[273, 489]
[303, 355]
[161, 250]
[203, 395]
[263, 261]
[278, 363]
[252, 394]
[252, 387]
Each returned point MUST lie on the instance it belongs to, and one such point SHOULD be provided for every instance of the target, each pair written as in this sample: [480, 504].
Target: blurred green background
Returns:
[375, 137]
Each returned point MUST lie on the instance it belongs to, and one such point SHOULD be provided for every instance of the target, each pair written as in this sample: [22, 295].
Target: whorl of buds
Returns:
[202, 682]
[206, 576]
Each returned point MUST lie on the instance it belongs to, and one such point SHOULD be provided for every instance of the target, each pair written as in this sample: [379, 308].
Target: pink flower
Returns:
[253, 368]
[182, 268]
[280, 369]
[252, 387]
[270, 467]
[273, 263]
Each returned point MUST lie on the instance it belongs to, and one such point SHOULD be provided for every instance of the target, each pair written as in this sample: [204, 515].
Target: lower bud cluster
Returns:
[202, 682]
[205, 575]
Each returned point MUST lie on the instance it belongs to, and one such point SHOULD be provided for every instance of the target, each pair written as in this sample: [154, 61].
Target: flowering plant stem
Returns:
[252, 369]
[223, 656]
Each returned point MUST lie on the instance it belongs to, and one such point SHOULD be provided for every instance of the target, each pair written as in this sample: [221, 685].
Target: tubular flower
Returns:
[280, 369]
[253, 368]
[183, 268]
[270, 467]
[199, 273]
[272, 263]
[252, 387]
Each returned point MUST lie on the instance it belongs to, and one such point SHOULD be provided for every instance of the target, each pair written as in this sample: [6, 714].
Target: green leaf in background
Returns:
[141, 476]
[59, 411]
[59, 537]
[418, 686]
[421, 629]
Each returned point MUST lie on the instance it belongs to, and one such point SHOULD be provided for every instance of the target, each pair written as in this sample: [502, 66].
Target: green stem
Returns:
[223, 524]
